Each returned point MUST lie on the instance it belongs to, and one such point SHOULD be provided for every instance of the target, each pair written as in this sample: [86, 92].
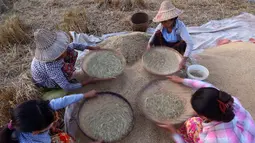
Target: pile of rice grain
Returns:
[232, 69]
[103, 64]
[131, 45]
[161, 61]
[106, 117]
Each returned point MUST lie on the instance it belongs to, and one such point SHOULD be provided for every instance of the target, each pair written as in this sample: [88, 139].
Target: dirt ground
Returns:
[15, 59]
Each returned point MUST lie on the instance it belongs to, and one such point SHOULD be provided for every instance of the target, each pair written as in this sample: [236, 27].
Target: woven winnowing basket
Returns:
[171, 57]
[91, 54]
[178, 90]
[121, 134]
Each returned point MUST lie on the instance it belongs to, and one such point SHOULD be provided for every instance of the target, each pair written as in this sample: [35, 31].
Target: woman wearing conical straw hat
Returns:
[171, 31]
[53, 64]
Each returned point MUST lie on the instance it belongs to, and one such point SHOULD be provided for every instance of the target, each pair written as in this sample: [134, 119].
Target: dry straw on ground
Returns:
[122, 5]
[196, 12]
[3, 6]
[6, 98]
[24, 81]
[14, 60]
[13, 31]
[17, 91]
[75, 20]
[106, 118]
[15, 78]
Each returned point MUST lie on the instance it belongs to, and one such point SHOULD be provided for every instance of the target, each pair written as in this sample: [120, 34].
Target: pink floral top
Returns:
[240, 130]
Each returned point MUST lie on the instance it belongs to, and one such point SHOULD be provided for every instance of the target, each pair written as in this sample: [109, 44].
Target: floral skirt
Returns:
[191, 129]
[69, 65]
[62, 138]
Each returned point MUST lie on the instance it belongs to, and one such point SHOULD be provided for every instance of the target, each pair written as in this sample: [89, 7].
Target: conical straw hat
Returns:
[167, 11]
[50, 45]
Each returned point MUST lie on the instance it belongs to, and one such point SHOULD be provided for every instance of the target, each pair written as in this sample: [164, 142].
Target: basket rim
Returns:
[105, 93]
[179, 120]
[156, 73]
[198, 78]
[118, 54]
[141, 13]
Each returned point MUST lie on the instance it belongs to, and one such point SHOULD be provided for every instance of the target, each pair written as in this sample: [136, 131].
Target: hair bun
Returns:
[227, 99]
[224, 97]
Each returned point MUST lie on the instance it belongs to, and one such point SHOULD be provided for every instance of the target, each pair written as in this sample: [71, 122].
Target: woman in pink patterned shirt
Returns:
[221, 117]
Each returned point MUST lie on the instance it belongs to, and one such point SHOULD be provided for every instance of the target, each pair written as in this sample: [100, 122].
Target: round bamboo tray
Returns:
[158, 61]
[122, 134]
[89, 57]
[181, 92]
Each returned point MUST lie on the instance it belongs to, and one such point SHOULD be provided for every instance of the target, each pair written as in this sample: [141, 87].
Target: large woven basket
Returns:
[180, 91]
[115, 95]
[91, 54]
[166, 52]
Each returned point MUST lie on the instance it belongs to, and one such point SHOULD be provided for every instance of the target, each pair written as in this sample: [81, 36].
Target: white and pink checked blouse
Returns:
[240, 130]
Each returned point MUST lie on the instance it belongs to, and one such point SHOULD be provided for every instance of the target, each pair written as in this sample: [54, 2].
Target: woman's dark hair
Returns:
[213, 104]
[33, 115]
[175, 20]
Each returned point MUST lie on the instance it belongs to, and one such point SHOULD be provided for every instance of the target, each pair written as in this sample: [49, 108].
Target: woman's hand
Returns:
[93, 80]
[182, 63]
[93, 48]
[175, 79]
[168, 126]
[148, 46]
[90, 94]
[86, 82]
